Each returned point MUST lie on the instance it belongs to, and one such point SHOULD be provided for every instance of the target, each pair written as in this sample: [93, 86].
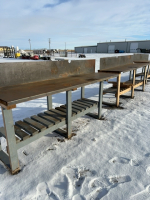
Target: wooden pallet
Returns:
[30, 129]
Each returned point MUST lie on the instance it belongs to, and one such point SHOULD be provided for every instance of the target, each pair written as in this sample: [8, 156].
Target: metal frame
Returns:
[11, 142]
[49, 102]
[11, 159]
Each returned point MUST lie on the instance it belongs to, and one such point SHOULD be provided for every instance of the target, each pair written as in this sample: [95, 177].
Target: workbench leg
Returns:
[118, 89]
[11, 140]
[82, 92]
[130, 75]
[49, 102]
[142, 72]
[147, 73]
[0, 145]
[100, 100]
[69, 113]
[144, 79]
[133, 84]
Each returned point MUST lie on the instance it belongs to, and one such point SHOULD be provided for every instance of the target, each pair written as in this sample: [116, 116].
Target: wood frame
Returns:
[127, 86]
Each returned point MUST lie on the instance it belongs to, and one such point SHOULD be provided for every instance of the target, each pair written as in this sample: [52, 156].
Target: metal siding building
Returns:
[86, 49]
[110, 47]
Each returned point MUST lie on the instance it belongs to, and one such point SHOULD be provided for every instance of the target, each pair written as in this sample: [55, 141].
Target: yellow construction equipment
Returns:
[17, 55]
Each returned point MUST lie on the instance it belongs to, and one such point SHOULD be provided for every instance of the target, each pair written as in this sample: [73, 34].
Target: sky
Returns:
[72, 22]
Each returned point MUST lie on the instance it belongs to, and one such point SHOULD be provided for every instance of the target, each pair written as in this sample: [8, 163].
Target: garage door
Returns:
[111, 49]
[85, 50]
[133, 47]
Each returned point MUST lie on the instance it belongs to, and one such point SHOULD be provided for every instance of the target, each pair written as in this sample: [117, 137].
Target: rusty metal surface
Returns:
[19, 93]
[142, 57]
[143, 61]
[125, 68]
[111, 62]
[27, 72]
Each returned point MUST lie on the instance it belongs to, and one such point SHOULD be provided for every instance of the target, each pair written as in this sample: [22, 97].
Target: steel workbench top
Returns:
[125, 68]
[11, 95]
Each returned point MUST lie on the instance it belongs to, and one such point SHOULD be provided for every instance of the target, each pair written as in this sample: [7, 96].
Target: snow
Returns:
[107, 159]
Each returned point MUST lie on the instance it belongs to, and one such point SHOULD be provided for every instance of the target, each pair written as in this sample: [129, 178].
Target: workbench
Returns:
[118, 65]
[47, 78]
[142, 74]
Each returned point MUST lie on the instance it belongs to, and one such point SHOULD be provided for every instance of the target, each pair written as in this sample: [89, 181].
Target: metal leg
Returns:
[130, 75]
[100, 100]
[118, 89]
[69, 113]
[49, 102]
[133, 84]
[11, 140]
[82, 92]
[142, 72]
[147, 73]
[144, 79]
[0, 145]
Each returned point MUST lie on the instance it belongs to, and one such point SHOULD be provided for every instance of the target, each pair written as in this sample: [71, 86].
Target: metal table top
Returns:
[11, 95]
[143, 61]
[124, 68]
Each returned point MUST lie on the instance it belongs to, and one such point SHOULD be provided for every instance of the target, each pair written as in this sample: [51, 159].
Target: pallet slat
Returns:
[21, 134]
[26, 127]
[35, 124]
[110, 90]
[82, 103]
[64, 110]
[42, 121]
[78, 108]
[139, 74]
[58, 112]
[54, 115]
[85, 102]
[79, 105]
[90, 100]
[73, 109]
[51, 119]
[61, 132]
[2, 131]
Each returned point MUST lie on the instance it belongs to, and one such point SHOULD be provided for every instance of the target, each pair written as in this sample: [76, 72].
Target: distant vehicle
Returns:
[82, 56]
[45, 57]
[35, 57]
[17, 55]
[24, 56]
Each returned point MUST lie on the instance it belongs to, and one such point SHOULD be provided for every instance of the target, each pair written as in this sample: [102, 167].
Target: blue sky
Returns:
[76, 22]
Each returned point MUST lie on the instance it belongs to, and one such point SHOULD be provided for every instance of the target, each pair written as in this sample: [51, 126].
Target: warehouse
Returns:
[142, 46]
[86, 49]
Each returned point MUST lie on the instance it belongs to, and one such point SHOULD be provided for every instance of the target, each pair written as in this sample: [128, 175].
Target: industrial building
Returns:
[86, 49]
[141, 46]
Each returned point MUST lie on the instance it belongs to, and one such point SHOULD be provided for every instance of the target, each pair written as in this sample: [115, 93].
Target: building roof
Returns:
[3, 46]
[124, 41]
[88, 46]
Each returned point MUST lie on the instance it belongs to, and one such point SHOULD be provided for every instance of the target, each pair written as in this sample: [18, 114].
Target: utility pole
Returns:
[65, 45]
[30, 44]
[49, 44]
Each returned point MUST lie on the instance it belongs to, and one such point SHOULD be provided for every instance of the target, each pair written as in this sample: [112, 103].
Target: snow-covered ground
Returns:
[107, 159]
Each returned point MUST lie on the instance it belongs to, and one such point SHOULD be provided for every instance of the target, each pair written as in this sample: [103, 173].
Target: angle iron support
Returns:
[69, 112]
[144, 79]
[100, 99]
[130, 75]
[82, 92]
[133, 84]
[49, 102]
[11, 140]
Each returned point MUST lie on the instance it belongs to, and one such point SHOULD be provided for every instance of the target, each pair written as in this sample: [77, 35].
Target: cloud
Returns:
[76, 22]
